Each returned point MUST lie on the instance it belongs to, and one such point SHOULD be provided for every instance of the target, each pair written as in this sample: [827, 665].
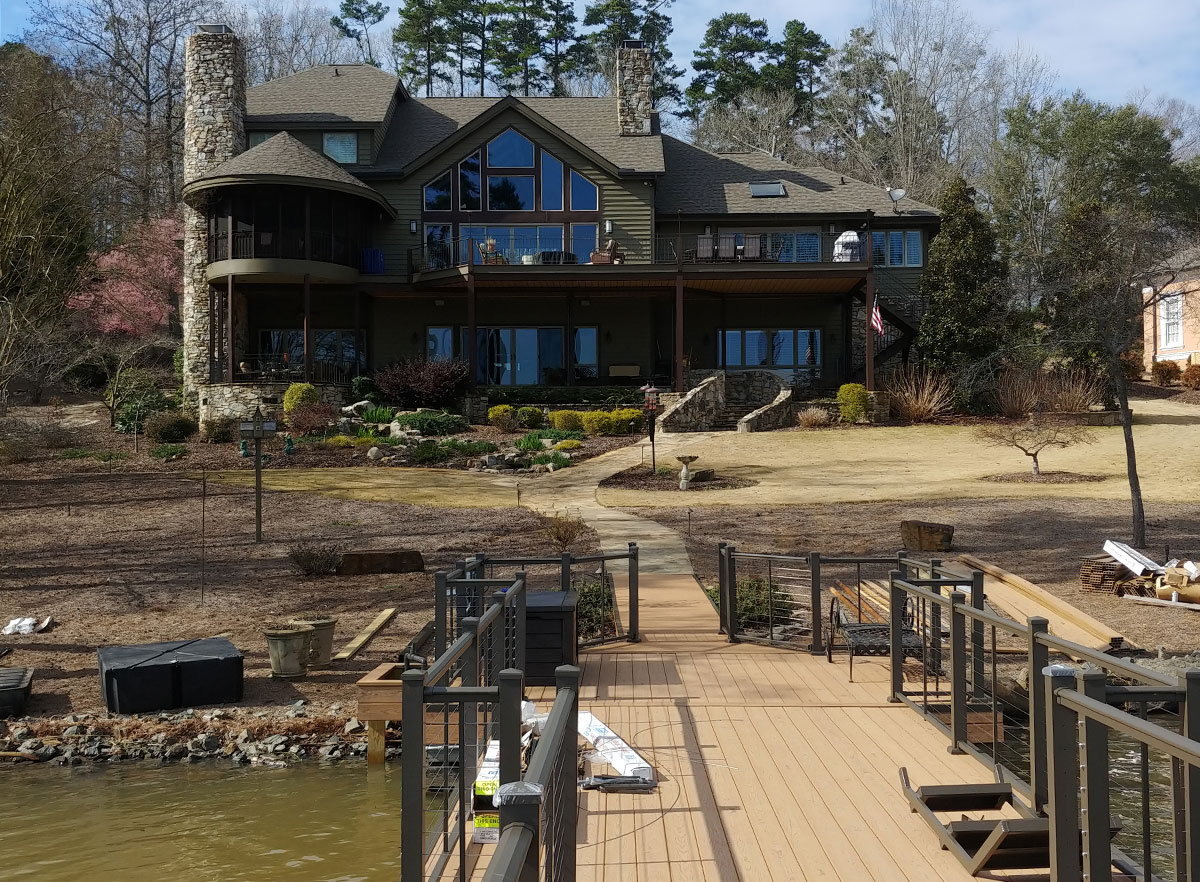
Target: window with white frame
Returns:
[341, 147]
[1170, 321]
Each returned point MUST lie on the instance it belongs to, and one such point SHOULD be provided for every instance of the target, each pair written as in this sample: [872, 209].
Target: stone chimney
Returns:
[214, 130]
[214, 108]
[634, 79]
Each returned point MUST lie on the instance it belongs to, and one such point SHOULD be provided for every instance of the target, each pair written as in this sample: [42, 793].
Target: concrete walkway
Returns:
[573, 491]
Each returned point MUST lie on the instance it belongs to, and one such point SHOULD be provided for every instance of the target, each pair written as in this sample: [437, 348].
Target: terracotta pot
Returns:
[288, 646]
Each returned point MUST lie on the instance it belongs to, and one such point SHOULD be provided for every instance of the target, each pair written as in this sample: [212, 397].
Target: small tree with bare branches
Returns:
[1037, 434]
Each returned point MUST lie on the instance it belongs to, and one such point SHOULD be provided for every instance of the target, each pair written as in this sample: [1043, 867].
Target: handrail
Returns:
[1155, 736]
[1104, 660]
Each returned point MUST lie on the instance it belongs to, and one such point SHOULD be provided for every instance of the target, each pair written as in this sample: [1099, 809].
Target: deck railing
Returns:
[728, 248]
[1083, 745]
[469, 695]
[324, 247]
[457, 595]
[539, 814]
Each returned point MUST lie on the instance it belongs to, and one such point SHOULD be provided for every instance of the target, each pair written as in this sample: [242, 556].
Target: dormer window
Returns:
[341, 147]
[510, 149]
[256, 138]
[767, 189]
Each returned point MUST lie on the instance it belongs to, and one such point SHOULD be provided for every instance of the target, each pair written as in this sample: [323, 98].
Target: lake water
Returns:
[195, 823]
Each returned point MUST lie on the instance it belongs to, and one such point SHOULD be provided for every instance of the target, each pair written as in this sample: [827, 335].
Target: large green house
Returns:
[336, 223]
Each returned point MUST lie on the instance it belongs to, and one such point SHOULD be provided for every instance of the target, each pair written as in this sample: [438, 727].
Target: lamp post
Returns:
[257, 428]
[651, 407]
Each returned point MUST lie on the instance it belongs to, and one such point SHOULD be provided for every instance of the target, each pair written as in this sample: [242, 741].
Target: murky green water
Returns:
[143, 823]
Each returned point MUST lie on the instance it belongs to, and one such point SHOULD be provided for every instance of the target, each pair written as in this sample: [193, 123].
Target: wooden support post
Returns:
[847, 338]
[229, 322]
[472, 343]
[814, 600]
[1191, 775]
[308, 354]
[679, 378]
[896, 602]
[1062, 775]
[1097, 849]
[214, 313]
[1039, 659]
[376, 742]
[869, 380]
[958, 673]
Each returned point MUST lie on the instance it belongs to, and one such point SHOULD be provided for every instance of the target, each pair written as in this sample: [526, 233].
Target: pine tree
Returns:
[420, 41]
[796, 62]
[619, 20]
[563, 53]
[355, 23]
[960, 285]
[726, 62]
[521, 40]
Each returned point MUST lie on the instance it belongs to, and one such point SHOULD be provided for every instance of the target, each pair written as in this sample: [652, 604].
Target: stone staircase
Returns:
[727, 419]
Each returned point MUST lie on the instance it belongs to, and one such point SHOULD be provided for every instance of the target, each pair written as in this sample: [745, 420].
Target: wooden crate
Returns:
[1100, 573]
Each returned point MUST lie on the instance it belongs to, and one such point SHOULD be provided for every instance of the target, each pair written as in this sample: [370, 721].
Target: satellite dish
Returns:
[895, 194]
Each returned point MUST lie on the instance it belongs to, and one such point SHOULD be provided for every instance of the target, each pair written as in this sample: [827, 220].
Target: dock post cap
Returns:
[1058, 671]
[518, 793]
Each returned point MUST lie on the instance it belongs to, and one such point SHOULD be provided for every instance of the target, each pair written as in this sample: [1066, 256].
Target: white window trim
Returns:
[567, 189]
[1170, 303]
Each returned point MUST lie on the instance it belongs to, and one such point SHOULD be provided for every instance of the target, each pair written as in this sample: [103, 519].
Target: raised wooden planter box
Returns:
[380, 697]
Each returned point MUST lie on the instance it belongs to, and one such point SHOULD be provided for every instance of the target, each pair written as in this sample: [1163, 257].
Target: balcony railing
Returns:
[274, 367]
[324, 247]
[749, 249]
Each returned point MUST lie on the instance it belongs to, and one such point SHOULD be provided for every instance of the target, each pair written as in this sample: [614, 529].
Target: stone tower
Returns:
[214, 130]
[635, 78]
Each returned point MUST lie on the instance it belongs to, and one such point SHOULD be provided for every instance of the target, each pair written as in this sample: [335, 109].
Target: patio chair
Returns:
[752, 250]
[489, 255]
[727, 247]
[610, 254]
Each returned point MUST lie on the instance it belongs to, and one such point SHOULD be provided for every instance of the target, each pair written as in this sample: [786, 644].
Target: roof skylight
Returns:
[766, 189]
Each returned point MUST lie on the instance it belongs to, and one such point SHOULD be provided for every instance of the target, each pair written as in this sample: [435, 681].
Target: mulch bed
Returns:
[117, 559]
[1044, 478]
[99, 443]
[641, 478]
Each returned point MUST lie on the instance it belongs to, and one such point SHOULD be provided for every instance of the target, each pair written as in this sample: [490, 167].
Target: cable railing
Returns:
[1099, 748]
[459, 591]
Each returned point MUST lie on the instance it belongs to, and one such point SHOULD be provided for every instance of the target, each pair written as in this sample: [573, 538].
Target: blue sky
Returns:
[1107, 48]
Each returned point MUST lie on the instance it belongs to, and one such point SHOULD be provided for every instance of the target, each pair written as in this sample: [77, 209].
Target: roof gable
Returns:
[700, 182]
[422, 129]
[324, 95]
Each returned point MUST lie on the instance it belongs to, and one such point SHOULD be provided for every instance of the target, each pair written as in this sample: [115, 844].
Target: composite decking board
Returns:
[772, 766]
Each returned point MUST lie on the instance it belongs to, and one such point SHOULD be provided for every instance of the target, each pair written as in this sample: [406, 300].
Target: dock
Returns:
[772, 766]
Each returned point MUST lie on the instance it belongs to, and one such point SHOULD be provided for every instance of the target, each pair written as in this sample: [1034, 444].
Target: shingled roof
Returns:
[284, 160]
[329, 93]
[699, 182]
[420, 125]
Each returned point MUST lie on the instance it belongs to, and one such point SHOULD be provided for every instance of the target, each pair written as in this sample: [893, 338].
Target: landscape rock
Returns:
[74, 731]
[374, 454]
[22, 733]
[352, 726]
[358, 408]
[703, 474]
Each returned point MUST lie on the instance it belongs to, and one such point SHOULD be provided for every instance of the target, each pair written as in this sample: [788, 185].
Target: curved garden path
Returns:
[573, 491]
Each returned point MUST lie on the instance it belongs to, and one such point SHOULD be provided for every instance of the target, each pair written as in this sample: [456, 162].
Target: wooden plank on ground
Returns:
[366, 635]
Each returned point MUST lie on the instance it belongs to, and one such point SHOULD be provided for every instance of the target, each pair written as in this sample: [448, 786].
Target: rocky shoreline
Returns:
[258, 738]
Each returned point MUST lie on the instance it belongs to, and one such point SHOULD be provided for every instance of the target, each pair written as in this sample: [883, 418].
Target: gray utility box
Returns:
[551, 638]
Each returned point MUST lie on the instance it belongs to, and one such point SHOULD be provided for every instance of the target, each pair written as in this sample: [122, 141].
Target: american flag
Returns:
[876, 316]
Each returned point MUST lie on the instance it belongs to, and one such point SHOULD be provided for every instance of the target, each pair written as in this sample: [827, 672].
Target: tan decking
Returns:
[772, 765]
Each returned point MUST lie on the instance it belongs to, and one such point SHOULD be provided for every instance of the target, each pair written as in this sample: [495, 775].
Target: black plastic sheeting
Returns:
[166, 676]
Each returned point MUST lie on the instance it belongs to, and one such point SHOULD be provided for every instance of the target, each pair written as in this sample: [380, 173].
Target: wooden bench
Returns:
[863, 617]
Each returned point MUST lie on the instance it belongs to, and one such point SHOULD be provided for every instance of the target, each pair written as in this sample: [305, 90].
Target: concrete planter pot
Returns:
[288, 647]
[321, 648]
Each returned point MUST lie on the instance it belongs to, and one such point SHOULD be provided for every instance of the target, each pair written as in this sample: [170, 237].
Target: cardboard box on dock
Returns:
[485, 817]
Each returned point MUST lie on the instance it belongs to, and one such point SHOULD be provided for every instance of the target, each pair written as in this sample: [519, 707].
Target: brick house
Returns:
[335, 223]
[1171, 323]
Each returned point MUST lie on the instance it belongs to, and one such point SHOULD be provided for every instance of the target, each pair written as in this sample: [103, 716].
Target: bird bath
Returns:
[685, 476]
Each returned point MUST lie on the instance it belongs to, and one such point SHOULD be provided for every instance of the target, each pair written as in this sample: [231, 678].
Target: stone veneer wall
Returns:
[777, 414]
[214, 130]
[238, 400]
[634, 80]
[697, 410]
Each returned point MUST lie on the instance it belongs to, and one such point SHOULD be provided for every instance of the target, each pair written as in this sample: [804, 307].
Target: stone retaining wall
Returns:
[697, 410]
[776, 415]
[238, 400]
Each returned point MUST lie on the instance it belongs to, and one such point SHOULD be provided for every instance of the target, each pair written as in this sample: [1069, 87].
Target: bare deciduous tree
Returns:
[286, 38]
[1039, 433]
[759, 121]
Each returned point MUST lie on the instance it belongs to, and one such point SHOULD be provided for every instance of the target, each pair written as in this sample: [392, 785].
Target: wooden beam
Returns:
[229, 321]
[376, 742]
[366, 635]
[308, 360]
[679, 378]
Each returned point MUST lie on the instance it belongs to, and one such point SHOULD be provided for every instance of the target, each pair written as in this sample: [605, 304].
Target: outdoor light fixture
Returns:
[708, 229]
[896, 194]
[412, 226]
[439, 302]
[256, 428]
[651, 407]
[608, 227]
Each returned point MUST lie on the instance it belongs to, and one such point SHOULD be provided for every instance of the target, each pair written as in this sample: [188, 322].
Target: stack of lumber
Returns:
[1021, 599]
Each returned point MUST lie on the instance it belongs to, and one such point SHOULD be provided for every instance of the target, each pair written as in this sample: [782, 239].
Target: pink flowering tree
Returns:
[126, 310]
